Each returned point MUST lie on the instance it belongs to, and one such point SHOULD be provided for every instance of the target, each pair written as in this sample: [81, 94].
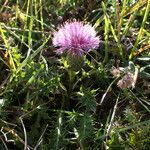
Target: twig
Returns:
[8, 123]
[5, 135]
[4, 144]
[14, 134]
[111, 121]
[112, 117]
[104, 95]
[25, 134]
[140, 101]
[40, 139]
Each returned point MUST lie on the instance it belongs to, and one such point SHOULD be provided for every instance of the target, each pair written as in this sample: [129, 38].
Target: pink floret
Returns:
[75, 38]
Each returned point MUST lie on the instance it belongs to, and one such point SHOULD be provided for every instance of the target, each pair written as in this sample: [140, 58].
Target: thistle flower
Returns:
[75, 38]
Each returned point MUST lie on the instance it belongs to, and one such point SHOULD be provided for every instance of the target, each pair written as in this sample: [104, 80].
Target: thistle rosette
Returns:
[75, 38]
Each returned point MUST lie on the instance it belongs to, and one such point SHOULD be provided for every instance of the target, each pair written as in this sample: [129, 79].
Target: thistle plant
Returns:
[75, 38]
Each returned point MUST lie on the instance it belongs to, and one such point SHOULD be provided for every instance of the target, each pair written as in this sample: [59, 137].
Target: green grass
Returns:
[49, 102]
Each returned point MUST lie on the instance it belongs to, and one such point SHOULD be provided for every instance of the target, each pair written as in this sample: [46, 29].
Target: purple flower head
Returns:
[75, 38]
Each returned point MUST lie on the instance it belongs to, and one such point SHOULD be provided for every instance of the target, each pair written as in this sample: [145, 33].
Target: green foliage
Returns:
[136, 135]
[52, 102]
[87, 100]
